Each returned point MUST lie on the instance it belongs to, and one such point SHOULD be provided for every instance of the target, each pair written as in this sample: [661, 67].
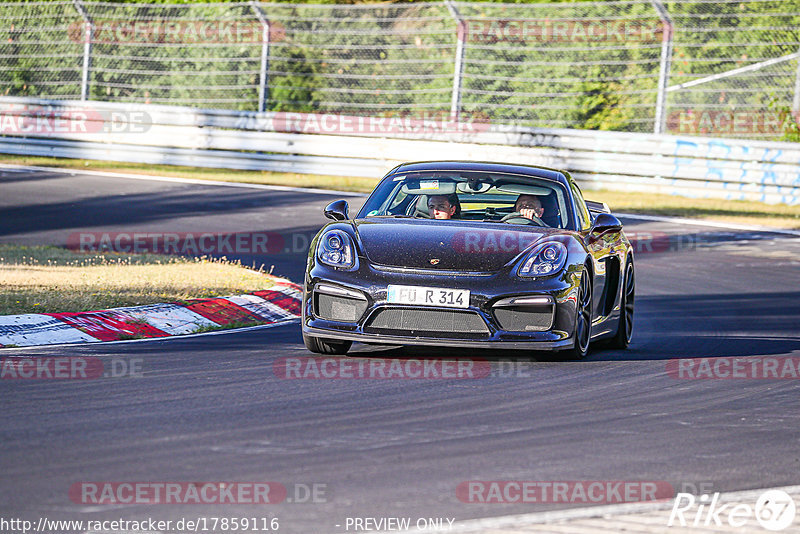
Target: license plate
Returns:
[428, 296]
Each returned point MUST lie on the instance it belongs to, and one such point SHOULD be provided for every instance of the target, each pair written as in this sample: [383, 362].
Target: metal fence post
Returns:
[88, 35]
[666, 65]
[796, 99]
[455, 101]
[262, 83]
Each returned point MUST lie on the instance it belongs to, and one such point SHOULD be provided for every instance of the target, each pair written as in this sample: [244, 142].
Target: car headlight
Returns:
[337, 250]
[545, 259]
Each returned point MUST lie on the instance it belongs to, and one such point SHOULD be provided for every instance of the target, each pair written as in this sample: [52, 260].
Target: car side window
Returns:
[584, 219]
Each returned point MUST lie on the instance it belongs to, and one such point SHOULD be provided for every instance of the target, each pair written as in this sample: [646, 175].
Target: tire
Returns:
[583, 320]
[622, 338]
[326, 346]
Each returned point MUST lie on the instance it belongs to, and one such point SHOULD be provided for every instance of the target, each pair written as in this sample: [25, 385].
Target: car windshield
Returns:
[473, 196]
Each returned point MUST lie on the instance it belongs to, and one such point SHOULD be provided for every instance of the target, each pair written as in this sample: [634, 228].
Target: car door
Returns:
[601, 247]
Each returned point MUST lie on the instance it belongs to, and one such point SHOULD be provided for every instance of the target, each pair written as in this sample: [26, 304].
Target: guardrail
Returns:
[363, 146]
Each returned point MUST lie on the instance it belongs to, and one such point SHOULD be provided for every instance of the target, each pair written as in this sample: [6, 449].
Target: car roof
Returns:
[484, 166]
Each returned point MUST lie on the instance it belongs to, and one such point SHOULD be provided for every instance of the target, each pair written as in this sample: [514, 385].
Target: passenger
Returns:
[529, 206]
[444, 206]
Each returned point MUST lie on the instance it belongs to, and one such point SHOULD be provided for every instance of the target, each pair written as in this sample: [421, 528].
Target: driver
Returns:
[444, 206]
[529, 206]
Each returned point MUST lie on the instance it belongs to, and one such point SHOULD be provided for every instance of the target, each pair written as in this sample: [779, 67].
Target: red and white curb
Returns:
[280, 303]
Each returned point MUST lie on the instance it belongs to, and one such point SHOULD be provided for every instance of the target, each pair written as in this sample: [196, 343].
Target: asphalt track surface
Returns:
[211, 408]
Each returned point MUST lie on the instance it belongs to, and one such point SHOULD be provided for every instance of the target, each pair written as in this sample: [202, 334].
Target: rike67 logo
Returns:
[774, 510]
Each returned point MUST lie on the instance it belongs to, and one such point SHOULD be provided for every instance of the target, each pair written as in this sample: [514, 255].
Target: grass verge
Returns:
[228, 326]
[48, 279]
[734, 211]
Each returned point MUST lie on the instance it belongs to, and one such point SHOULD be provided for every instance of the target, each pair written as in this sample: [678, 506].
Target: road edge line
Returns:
[177, 179]
[709, 223]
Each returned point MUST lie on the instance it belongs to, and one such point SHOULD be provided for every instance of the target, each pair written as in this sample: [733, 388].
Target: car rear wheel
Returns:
[583, 319]
[622, 338]
[326, 346]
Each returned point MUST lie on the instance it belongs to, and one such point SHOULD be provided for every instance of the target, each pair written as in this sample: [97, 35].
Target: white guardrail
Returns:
[366, 147]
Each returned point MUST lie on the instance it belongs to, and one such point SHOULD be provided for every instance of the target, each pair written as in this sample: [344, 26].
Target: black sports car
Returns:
[466, 254]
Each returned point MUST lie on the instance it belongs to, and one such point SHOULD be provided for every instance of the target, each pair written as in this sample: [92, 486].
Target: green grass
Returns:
[227, 326]
[49, 279]
[734, 211]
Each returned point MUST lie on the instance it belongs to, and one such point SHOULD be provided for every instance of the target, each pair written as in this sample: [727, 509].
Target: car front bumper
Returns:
[489, 293]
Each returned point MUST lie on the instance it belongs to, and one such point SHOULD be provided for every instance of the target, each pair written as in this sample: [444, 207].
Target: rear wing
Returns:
[597, 207]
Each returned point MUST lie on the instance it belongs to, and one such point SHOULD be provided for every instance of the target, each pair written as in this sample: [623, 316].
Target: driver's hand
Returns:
[528, 213]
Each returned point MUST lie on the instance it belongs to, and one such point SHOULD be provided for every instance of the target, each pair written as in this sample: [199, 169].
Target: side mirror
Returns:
[605, 222]
[337, 210]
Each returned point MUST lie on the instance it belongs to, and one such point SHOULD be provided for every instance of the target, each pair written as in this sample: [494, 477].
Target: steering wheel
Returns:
[517, 218]
[421, 215]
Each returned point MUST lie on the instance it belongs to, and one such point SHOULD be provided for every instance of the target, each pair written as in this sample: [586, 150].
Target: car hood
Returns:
[445, 245]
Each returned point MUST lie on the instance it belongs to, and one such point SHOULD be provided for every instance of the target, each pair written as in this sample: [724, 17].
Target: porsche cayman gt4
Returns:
[466, 254]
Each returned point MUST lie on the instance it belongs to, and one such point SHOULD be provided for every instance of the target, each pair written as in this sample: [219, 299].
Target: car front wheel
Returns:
[326, 346]
[622, 338]
[583, 319]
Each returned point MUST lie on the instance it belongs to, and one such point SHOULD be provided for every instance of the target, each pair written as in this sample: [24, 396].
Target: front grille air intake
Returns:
[414, 321]
[524, 320]
[335, 308]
